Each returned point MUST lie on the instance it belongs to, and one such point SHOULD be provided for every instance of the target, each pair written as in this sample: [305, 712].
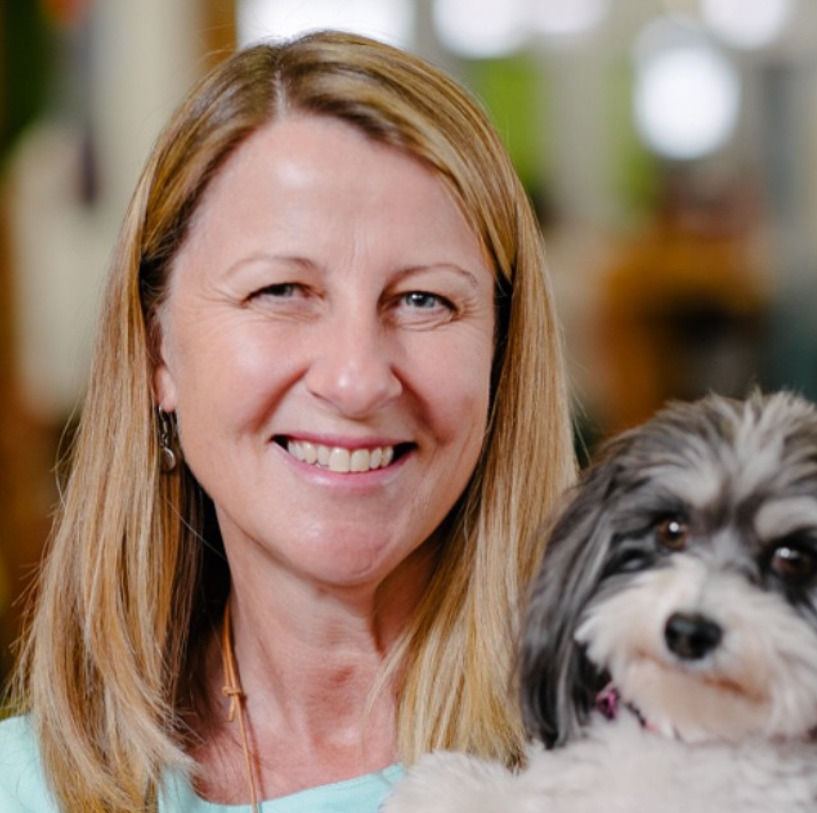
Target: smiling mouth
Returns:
[340, 459]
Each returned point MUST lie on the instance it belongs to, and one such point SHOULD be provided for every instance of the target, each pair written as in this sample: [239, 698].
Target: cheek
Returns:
[459, 398]
[456, 383]
[223, 365]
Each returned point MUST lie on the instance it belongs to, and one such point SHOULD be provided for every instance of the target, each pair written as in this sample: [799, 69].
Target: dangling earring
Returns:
[168, 459]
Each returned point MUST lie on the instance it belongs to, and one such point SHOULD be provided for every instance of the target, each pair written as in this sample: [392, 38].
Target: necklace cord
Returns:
[232, 689]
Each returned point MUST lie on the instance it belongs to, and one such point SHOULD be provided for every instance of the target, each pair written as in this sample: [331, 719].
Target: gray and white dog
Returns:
[669, 653]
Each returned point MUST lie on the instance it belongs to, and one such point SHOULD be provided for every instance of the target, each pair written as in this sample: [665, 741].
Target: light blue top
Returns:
[23, 788]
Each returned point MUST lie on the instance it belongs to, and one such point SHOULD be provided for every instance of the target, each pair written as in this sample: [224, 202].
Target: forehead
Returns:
[308, 180]
[732, 460]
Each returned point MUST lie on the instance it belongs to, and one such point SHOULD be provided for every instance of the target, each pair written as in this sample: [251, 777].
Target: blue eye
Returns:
[422, 299]
[282, 290]
[422, 309]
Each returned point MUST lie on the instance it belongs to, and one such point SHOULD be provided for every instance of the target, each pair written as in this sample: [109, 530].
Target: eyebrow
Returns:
[236, 265]
[444, 265]
[784, 516]
[306, 263]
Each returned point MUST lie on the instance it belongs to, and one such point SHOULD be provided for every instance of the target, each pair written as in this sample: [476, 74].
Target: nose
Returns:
[352, 366]
[691, 636]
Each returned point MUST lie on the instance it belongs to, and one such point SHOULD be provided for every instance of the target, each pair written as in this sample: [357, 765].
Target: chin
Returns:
[669, 653]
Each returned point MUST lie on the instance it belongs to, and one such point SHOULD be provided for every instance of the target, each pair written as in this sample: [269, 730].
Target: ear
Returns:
[558, 683]
[164, 381]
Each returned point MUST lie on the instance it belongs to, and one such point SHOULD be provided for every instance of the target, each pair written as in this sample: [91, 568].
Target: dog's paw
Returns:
[449, 782]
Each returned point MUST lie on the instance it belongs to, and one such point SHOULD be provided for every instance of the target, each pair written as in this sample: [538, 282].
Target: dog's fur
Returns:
[681, 580]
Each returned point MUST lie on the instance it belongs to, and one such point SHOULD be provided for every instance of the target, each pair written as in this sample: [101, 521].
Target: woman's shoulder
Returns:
[22, 785]
[23, 788]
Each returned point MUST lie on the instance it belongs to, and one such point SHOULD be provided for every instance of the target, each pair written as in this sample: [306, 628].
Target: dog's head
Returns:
[683, 571]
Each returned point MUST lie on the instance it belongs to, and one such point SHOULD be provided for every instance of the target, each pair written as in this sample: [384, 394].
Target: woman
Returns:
[327, 410]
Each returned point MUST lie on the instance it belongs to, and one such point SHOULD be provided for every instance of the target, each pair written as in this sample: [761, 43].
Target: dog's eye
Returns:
[672, 533]
[793, 564]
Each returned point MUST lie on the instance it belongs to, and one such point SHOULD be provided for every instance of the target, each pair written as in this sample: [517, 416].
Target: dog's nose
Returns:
[691, 636]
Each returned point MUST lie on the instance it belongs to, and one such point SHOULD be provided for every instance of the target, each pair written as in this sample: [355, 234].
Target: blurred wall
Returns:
[84, 89]
[673, 276]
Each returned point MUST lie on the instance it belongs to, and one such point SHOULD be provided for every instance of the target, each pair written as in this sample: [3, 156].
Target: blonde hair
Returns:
[106, 661]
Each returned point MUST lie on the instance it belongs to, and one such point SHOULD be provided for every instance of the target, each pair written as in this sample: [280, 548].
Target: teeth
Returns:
[338, 459]
[310, 452]
[360, 460]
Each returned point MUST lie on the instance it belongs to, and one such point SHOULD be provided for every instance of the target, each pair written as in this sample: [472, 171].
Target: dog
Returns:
[669, 649]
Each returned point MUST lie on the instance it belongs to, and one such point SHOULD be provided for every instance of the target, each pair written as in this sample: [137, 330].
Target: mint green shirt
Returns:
[23, 788]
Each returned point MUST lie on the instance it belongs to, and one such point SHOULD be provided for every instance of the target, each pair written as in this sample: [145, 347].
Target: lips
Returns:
[340, 459]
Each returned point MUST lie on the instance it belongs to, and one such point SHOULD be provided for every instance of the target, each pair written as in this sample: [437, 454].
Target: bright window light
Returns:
[482, 28]
[568, 18]
[386, 20]
[687, 95]
[748, 23]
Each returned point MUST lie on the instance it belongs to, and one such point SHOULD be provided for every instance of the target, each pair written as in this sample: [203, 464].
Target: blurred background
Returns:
[670, 149]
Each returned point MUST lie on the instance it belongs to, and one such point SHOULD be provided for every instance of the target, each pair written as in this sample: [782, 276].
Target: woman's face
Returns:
[326, 344]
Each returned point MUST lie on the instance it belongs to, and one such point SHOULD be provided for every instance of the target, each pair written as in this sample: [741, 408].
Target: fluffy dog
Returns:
[669, 653]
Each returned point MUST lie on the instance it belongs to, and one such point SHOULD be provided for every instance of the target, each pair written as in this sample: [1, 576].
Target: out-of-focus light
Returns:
[386, 20]
[568, 18]
[748, 23]
[687, 94]
[482, 28]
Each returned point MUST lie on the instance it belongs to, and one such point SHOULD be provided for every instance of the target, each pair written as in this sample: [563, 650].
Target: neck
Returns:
[316, 644]
[311, 675]
[307, 658]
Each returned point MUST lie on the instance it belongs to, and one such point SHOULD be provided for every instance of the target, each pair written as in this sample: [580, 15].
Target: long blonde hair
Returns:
[106, 660]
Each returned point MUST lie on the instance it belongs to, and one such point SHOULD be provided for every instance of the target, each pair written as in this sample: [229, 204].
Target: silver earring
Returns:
[168, 460]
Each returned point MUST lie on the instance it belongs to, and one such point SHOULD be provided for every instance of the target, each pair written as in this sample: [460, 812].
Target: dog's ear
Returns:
[558, 683]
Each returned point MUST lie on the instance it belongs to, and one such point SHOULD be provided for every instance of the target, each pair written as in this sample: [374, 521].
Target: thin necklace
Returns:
[232, 689]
